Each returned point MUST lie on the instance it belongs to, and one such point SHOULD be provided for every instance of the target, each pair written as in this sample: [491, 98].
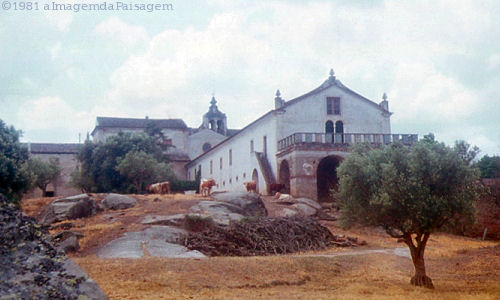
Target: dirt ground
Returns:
[461, 268]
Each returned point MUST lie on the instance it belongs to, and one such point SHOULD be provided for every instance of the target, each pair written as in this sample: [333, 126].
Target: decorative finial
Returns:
[384, 96]
[213, 101]
[278, 94]
[332, 74]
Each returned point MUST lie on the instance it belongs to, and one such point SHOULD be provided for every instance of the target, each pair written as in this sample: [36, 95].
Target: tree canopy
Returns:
[140, 168]
[43, 172]
[489, 166]
[14, 179]
[409, 191]
[98, 162]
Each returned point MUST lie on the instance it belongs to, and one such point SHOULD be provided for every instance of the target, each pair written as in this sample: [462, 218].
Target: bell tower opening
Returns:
[214, 119]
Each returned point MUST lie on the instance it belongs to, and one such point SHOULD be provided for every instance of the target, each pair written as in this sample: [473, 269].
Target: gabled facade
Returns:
[299, 143]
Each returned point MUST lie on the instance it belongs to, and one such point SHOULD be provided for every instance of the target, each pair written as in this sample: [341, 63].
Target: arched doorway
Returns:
[339, 132]
[284, 176]
[329, 132]
[326, 177]
[255, 178]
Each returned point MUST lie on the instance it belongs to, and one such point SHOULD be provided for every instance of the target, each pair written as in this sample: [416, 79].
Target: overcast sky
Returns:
[438, 62]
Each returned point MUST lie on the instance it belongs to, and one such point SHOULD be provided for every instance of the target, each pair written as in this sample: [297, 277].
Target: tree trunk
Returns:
[417, 254]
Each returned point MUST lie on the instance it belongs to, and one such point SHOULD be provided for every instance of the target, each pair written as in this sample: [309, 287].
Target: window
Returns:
[211, 167]
[230, 157]
[220, 163]
[206, 147]
[251, 145]
[333, 105]
[264, 145]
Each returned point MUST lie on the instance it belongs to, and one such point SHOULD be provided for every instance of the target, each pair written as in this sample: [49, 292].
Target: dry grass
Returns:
[474, 275]
[461, 268]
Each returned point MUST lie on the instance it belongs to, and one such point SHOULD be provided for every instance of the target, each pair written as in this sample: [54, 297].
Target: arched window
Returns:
[329, 132]
[339, 132]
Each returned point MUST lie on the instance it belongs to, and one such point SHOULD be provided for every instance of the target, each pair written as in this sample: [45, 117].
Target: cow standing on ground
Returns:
[251, 186]
[159, 188]
[206, 186]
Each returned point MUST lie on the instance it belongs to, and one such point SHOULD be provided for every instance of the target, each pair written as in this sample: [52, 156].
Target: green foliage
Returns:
[98, 170]
[407, 190]
[489, 166]
[142, 168]
[184, 185]
[14, 178]
[43, 172]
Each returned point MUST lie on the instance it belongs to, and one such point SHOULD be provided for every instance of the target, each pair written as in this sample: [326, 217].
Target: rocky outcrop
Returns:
[250, 203]
[221, 213]
[117, 201]
[31, 267]
[161, 241]
[74, 207]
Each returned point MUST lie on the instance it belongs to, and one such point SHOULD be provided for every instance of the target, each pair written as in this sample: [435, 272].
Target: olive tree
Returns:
[14, 179]
[43, 173]
[408, 191]
[142, 168]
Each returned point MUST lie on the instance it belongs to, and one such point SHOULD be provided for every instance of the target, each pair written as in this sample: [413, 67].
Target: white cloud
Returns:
[60, 19]
[117, 30]
[421, 53]
[51, 114]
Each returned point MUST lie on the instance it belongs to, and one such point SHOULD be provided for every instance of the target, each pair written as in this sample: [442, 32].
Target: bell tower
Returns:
[214, 119]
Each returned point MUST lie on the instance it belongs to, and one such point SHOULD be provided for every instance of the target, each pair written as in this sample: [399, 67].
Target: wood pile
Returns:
[265, 236]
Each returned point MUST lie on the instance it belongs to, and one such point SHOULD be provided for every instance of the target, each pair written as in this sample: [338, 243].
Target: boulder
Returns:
[68, 241]
[250, 203]
[74, 207]
[175, 220]
[305, 209]
[221, 213]
[309, 202]
[161, 241]
[287, 213]
[87, 286]
[117, 201]
[32, 267]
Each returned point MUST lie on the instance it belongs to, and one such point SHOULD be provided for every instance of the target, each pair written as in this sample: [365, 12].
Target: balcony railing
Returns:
[346, 139]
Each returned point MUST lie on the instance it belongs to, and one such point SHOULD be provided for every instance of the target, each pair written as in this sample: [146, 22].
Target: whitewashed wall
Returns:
[310, 114]
[231, 177]
[197, 140]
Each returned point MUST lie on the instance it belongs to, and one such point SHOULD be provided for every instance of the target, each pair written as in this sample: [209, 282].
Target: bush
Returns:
[197, 223]
[183, 185]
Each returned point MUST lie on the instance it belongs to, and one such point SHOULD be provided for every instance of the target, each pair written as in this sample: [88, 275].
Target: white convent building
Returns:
[299, 143]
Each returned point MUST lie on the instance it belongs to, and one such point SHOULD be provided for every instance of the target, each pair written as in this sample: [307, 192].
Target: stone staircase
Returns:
[265, 169]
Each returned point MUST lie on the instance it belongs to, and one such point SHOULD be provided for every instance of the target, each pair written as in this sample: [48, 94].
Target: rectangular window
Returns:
[333, 105]
[251, 145]
[264, 145]
[220, 162]
[211, 167]
[230, 157]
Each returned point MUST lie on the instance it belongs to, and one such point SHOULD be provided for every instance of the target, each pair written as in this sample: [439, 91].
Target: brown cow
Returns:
[154, 188]
[165, 187]
[206, 186]
[251, 186]
[276, 187]
[159, 188]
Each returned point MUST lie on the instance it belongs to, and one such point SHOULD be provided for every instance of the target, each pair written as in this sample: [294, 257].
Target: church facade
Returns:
[299, 143]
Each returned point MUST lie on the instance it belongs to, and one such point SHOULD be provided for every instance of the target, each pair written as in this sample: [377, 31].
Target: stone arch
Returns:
[326, 177]
[255, 178]
[284, 176]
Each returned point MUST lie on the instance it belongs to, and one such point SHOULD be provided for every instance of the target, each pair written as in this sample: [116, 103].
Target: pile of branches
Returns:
[263, 236]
